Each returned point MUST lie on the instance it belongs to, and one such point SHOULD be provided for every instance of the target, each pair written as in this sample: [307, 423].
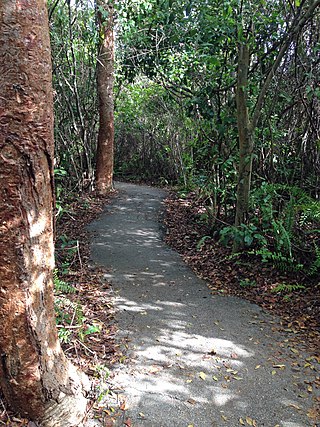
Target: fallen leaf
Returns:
[249, 421]
[257, 367]
[295, 406]
[202, 375]
[191, 401]
[154, 369]
[123, 406]
[242, 422]
[313, 413]
[224, 417]
[215, 378]
[128, 422]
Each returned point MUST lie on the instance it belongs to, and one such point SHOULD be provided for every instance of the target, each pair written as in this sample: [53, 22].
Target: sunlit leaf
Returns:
[295, 406]
[202, 375]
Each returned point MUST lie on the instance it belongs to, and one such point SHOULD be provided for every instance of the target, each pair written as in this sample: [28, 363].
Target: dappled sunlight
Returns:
[126, 305]
[37, 223]
[290, 424]
[140, 237]
[193, 357]
[171, 354]
[221, 398]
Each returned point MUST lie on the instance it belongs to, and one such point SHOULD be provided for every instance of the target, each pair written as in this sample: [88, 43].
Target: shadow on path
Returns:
[193, 358]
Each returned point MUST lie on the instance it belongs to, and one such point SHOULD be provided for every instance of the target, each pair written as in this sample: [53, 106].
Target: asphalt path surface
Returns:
[192, 358]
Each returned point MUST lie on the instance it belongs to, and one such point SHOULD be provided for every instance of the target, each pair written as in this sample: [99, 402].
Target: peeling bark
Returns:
[35, 377]
[105, 84]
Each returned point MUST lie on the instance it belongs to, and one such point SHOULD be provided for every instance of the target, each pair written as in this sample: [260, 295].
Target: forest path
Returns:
[193, 359]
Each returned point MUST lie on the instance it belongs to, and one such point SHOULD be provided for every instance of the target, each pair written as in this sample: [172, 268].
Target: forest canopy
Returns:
[220, 98]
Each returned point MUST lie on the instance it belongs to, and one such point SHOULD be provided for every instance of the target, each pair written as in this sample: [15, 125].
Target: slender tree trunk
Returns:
[105, 83]
[245, 141]
[246, 126]
[35, 377]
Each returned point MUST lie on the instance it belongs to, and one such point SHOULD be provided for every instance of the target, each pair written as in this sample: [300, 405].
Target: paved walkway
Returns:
[194, 359]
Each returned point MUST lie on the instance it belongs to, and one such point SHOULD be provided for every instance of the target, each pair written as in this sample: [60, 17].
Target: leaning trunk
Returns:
[35, 377]
[245, 143]
[105, 83]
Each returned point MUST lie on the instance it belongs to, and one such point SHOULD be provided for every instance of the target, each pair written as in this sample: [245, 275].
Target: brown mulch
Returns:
[244, 276]
[92, 291]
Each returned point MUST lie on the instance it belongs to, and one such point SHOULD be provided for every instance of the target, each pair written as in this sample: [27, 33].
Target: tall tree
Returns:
[247, 123]
[105, 84]
[35, 377]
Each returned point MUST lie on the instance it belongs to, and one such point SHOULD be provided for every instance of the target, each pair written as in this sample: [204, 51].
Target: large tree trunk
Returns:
[245, 142]
[105, 83]
[35, 377]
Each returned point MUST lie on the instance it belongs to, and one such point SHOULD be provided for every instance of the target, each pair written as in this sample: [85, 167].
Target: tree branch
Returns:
[294, 30]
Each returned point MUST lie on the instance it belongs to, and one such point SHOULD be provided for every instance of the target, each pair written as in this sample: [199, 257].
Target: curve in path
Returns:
[193, 358]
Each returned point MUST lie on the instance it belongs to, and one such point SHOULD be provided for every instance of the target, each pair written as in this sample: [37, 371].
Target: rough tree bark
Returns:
[245, 141]
[35, 377]
[105, 83]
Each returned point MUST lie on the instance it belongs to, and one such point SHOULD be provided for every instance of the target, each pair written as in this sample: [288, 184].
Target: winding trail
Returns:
[193, 358]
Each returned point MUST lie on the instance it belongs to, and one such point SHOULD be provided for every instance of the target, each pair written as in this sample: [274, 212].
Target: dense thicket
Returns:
[180, 69]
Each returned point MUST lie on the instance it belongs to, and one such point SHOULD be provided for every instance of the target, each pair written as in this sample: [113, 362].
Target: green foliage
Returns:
[202, 242]
[102, 373]
[287, 288]
[315, 265]
[60, 286]
[282, 262]
[73, 42]
[152, 135]
[71, 322]
[176, 120]
[285, 215]
[282, 230]
[66, 252]
[248, 234]
[245, 283]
